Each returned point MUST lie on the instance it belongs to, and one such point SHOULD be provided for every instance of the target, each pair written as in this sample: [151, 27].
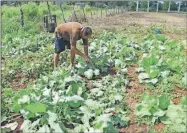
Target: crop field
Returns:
[136, 81]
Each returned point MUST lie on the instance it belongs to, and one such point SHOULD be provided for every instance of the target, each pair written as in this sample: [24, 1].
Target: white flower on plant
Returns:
[24, 99]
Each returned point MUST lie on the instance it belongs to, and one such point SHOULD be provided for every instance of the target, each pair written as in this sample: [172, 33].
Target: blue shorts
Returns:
[60, 45]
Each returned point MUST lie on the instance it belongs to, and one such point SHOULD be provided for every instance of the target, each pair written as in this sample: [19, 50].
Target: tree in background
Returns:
[184, 6]
[173, 6]
[143, 5]
[132, 5]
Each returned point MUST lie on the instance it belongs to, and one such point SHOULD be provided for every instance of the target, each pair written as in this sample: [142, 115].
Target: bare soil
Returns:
[173, 24]
[135, 88]
[159, 127]
[176, 100]
[180, 91]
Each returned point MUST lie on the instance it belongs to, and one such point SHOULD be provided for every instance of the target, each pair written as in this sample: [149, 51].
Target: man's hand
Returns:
[87, 58]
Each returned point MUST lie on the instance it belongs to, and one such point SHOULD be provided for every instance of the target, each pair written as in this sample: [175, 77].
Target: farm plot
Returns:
[96, 98]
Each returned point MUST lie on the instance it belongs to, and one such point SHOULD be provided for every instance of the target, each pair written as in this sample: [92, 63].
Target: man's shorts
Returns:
[60, 45]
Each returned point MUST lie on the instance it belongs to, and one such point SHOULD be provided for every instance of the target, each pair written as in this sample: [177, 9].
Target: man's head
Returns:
[86, 32]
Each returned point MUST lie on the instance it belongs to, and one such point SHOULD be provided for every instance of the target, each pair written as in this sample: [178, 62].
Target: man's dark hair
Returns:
[87, 31]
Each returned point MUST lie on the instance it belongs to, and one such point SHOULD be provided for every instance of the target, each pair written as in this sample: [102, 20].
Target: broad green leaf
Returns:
[99, 125]
[143, 76]
[25, 127]
[139, 107]
[44, 129]
[179, 128]
[52, 116]
[159, 113]
[110, 128]
[154, 119]
[56, 127]
[164, 119]
[154, 73]
[164, 102]
[184, 101]
[24, 99]
[172, 114]
[35, 123]
[184, 79]
[74, 101]
[143, 112]
[7, 91]
[16, 107]
[36, 108]
[161, 37]
[171, 44]
[153, 81]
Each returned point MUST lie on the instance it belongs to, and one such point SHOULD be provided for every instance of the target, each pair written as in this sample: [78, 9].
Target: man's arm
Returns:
[86, 50]
[85, 42]
[74, 49]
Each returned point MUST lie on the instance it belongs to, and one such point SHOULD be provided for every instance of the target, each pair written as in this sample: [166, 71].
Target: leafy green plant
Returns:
[160, 109]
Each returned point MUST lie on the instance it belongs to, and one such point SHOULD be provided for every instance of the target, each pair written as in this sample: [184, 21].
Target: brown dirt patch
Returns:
[159, 127]
[180, 91]
[133, 128]
[17, 86]
[134, 85]
[173, 24]
[141, 18]
[134, 88]
[20, 122]
[176, 100]
[19, 75]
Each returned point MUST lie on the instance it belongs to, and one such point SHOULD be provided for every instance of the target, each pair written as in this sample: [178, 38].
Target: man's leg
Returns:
[59, 47]
[55, 59]
[72, 57]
